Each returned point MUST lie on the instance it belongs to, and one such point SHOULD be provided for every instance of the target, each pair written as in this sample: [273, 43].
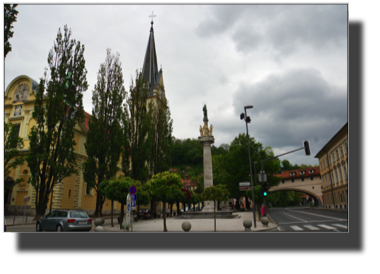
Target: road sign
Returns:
[132, 190]
[245, 184]
[133, 201]
[243, 188]
[262, 177]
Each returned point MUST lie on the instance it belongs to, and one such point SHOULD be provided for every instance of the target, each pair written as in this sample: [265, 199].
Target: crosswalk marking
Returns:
[327, 227]
[297, 228]
[342, 226]
[311, 227]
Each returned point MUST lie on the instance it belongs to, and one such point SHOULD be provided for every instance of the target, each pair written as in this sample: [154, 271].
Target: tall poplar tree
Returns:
[137, 131]
[105, 135]
[161, 132]
[10, 16]
[57, 109]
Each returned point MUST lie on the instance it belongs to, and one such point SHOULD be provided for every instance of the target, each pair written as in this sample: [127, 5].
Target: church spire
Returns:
[150, 68]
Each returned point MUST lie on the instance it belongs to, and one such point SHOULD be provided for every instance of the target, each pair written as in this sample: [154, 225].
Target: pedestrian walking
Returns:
[263, 210]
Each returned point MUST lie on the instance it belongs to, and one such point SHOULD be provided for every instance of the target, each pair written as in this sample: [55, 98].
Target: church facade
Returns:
[72, 192]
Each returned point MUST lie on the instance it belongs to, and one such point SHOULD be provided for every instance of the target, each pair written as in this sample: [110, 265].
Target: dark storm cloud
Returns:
[293, 106]
[280, 27]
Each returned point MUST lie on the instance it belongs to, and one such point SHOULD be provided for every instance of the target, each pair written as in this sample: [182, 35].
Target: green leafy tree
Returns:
[12, 157]
[117, 189]
[215, 193]
[234, 166]
[137, 131]
[10, 16]
[105, 135]
[161, 130]
[164, 185]
[57, 109]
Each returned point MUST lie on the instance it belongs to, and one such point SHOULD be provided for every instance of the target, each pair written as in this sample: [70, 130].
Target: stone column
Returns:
[206, 141]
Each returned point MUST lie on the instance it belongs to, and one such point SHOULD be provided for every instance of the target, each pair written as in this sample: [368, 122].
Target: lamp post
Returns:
[248, 120]
[254, 165]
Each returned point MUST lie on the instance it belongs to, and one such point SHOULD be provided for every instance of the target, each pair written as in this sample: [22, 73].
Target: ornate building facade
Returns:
[333, 161]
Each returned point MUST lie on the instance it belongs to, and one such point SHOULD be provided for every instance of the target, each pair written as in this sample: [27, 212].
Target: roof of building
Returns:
[298, 173]
[188, 183]
[332, 139]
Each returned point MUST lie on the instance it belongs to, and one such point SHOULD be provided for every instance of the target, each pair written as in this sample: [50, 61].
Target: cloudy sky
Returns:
[288, 61]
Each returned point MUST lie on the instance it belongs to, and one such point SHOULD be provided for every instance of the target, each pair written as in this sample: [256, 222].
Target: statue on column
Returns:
[201, 130]
[205, 119]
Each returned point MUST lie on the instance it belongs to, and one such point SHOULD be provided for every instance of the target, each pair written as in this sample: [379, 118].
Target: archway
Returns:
[318, 202]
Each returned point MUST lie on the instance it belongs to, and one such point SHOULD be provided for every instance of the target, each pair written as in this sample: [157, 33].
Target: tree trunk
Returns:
[214, 217]
[112, 213]
[171, 210]
[164, 209]
[122, 216]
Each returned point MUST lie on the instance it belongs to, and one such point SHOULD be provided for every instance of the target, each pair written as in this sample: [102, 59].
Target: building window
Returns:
[283, 181]
[337, 155]
[311, 178]
[302, 179]
[345, 144]
[344, 198]
[69, 192]
[321, 187]
[330, 159]
[333, 157]
[341, 150]
[340, 173]
[312, 187]
[292, 180]
[336, 176]
[345, 174]
[334, 196]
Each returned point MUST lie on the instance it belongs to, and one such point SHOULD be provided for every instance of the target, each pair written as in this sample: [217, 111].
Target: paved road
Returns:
[309, 220]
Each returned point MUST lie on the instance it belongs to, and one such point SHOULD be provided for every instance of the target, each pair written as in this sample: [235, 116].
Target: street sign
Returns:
[133, 201]
[132, 190]
[243, 188]
[245, 184]
[262, 177]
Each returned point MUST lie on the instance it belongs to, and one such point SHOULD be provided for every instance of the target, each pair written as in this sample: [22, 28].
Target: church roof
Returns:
[150, 68]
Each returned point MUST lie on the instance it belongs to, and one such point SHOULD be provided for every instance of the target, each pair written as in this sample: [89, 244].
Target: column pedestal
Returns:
[206, 141]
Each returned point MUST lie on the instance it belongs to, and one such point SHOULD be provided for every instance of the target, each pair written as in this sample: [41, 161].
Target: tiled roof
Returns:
[86, 120]
[286, 174]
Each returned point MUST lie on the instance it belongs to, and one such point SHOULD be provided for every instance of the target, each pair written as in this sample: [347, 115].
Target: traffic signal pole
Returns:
[250, 170]
[307, 152]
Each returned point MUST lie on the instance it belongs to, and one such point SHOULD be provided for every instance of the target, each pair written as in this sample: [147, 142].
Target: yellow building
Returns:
[333, 161]
[72, 192]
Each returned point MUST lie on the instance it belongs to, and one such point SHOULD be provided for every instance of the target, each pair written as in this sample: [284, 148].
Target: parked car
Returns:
[65, 220]
[146, 214]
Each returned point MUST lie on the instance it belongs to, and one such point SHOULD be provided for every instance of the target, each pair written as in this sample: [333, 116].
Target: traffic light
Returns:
[248, 119]
[264, 189]
[242, 116]
[307, 147]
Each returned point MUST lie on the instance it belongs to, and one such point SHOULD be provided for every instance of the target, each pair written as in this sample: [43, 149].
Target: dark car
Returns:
[144, 214]
[65, 220]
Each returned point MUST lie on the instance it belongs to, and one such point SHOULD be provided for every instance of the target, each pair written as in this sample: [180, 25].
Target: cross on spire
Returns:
[152, 15]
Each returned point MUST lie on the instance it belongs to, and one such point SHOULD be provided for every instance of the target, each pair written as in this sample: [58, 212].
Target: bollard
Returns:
[264, 221]
[186, 226]
[247, 224]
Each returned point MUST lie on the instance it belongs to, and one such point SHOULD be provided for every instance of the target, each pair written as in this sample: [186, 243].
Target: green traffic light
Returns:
[265, 193]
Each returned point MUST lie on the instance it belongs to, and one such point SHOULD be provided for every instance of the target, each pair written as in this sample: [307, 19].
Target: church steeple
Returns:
[150, 68]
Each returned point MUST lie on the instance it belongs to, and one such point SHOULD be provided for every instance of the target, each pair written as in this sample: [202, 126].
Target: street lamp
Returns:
[248, 120]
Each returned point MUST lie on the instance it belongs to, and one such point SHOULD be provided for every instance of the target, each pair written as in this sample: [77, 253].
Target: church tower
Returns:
[150, 70]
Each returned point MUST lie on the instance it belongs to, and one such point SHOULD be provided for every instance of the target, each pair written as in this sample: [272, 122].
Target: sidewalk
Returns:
[19, 220]
[197, 225]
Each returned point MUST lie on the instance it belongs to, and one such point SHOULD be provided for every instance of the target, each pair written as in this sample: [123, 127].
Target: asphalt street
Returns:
[309, 220]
